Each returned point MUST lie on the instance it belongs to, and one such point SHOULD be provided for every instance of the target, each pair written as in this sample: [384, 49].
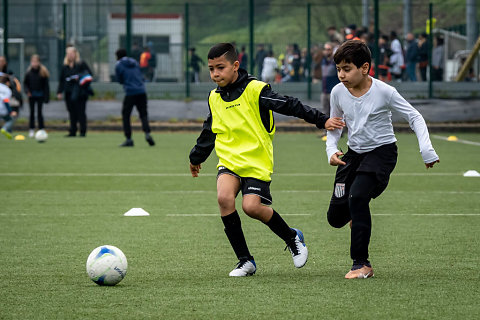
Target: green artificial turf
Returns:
[63, 198]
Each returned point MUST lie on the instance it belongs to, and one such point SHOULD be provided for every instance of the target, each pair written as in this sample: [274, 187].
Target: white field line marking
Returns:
[473, 143]
[446, 214]
[187, 192]
[73, 174]
[4, 214]
[218, 215]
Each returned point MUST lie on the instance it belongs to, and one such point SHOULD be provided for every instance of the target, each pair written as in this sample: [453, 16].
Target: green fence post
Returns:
[64, 13]
[5, 29]
[97, 52]
[187, 58]
[128, 31]
[35, 25]
[309, 56]
[430, 36]
[252, 40]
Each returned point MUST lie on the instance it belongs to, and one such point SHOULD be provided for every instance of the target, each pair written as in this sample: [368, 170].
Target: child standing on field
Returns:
[38, 91]
[6, 112]
[364, 171]
[240, 127]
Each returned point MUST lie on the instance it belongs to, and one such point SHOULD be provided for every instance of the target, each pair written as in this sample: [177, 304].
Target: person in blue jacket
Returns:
[128, 73]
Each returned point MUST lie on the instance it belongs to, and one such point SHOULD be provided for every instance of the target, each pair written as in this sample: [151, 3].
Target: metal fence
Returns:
[168, 29]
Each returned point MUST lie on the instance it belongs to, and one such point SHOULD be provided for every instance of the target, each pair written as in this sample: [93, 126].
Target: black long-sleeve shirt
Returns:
[268, 100]
[68, 76]
[36, 85]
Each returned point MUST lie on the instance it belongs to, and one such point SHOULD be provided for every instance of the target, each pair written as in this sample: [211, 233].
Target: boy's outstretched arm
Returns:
[418, 125]
[203, 148]
[290, 106]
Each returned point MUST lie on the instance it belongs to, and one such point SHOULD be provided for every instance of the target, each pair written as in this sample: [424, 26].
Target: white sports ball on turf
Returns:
[41, 135]
[106, 265]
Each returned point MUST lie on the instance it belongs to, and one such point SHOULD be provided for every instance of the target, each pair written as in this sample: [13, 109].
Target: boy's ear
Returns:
[365, 68]
[236, 65]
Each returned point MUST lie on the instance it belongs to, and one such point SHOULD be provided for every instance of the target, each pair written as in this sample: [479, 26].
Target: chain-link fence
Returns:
[293, 33]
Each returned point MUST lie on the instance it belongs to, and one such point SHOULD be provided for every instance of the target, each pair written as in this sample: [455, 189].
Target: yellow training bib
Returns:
[243, 145]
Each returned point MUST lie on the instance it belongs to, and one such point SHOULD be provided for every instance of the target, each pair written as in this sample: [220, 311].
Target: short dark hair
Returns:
[121, 53]
[353, 51]
[221, 49]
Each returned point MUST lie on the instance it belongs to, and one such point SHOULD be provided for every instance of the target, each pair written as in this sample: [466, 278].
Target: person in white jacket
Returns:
[269, 70]
[363, 172]
[396, 59]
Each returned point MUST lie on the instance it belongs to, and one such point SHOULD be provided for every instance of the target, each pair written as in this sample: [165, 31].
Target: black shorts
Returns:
[251, 186]
[380, 161]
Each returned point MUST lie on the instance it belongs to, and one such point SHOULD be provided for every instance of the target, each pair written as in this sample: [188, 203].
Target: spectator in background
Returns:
[269, 70]
[128, 73]
[334, 35]
[423, 55]
[296, 62]
[73, 86]
[144, 62]
[195, 62]
[396, 59]
[136, 51]
[411, 57]
[351, 32]
[6, 113]
[259, 59]
[438, 60]
[16, 99]
[384, 59]
[317, 58]
[152, 62]
[243, 58]
[367, 38]
[4, 66]
[329, 76]
[37, 89]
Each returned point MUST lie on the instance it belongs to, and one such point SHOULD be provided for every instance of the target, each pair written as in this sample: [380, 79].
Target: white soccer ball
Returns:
[41, 135]
[107, 265]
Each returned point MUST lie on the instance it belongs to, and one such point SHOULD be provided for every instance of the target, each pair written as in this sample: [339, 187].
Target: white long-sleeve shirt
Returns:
[369, 119]
[5, 95]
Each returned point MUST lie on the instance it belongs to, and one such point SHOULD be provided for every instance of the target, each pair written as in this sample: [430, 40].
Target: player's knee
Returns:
[338, 215]
[333, 221]
[250, 208]
[226, 200]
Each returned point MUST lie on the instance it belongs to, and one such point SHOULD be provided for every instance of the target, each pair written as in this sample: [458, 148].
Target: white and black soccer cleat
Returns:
[244, 268]
[298, 249]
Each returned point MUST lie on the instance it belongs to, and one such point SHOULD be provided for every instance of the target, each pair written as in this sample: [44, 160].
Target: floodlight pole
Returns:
[64, 13]
[5, 29]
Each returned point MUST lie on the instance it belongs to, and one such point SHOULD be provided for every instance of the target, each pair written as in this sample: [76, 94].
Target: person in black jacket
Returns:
[74, 82]
[37, 89]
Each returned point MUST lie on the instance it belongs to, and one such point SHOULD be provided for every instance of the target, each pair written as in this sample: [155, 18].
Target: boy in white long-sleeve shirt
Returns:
[364, 171]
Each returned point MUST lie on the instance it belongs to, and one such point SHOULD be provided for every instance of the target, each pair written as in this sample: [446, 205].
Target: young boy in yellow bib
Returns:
[240, 127]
